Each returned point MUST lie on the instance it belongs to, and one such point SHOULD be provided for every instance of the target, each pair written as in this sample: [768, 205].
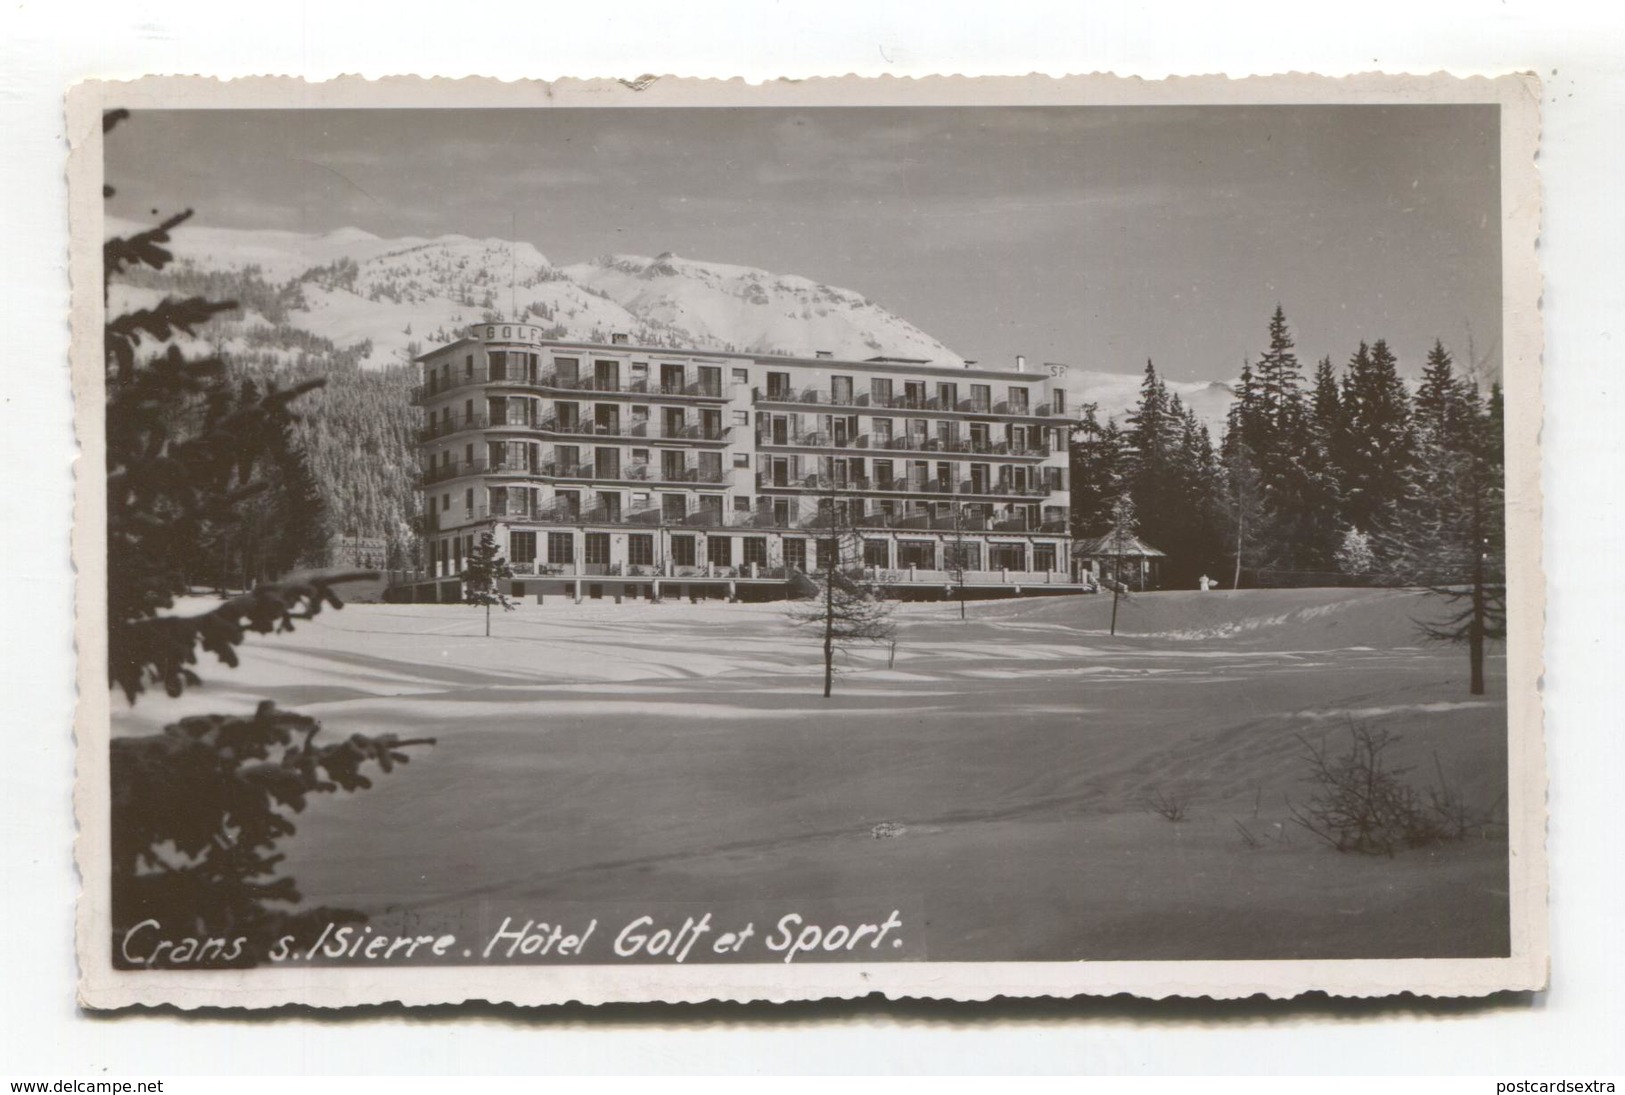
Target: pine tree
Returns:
[486, 569]
[842, 610]
[1308, 499]
[1378, 447]
[1278, 389]
[1448, 531]
[198, 809]
[1099, 469]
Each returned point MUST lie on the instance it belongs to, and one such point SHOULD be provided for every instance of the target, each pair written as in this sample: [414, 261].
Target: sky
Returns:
[1095, 236]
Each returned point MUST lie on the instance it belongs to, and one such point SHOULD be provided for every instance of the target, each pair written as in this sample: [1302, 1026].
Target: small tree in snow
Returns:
[486, 569]
[1354, 555]
[1120, 541]
[843, 610]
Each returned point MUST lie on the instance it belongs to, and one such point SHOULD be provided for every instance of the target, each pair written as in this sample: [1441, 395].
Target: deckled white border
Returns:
[103, 987]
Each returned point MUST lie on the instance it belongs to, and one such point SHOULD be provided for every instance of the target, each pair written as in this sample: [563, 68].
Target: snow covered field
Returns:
[682, 753]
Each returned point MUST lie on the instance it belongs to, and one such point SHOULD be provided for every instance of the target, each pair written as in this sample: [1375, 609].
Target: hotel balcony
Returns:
[925, 404]
[552, 381]
[818, 439]
[932, 484]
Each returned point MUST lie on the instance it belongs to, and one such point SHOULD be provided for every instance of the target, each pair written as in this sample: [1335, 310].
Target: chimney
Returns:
[619, 338]
[1021, 363]
[970, 363]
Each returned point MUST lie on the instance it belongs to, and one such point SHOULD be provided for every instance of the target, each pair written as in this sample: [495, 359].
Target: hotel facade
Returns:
[612, 470]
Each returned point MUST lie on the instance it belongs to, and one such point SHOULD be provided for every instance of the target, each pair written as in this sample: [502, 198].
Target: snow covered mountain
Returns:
[402, 295]
[753, 310]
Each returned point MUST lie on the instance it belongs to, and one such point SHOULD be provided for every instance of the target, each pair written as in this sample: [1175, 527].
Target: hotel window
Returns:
[468, 500]
[778, 386]
[640, 377]
[755, 548]
[826, 553]
[741, 418]
[795, 552]
[568, 503]
[981, 397]
[673, 508]
[948, 396]
[1007, 556]
[913, 393]
[561, 547]
[741, 503]
[640, 549]
[711, 506]
[522, 547]
[567, 371]
[1043, 556]
[710, 380]
[741, 376]
[880, 391]
[719, 550]
[958, 556]
[917, 553]
[881, 428]
[468, 367]
[1057, 399]
[682, 550]
[671, 379]
[1018, 400]
[671, 466]
[876, 553]
[840, 389]
[597, 549]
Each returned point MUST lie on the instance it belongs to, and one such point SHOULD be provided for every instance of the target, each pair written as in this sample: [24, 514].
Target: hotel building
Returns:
[609, 470]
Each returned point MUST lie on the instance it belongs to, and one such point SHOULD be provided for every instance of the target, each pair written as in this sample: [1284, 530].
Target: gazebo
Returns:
[1102, 557]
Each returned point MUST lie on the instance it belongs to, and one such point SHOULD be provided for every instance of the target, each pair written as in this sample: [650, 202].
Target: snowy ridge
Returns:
[754, 310]
[403, 295]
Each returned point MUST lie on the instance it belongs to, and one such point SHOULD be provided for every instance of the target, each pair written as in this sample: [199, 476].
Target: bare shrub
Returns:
[1363, 804]
[1175, 807]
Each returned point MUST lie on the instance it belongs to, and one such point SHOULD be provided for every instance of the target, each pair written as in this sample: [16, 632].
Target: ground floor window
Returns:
[1007, 556]
[682, 550]
[640, 549]
[720, 550]
[521, 547]
[755, 550]
[1043, 556]
[795, 552]
[962, 556]
[876, 553]
[917, 553]
[828, 553]
[561, 547]
[597, 548]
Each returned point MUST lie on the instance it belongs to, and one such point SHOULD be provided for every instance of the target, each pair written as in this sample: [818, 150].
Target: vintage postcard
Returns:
[671, 540]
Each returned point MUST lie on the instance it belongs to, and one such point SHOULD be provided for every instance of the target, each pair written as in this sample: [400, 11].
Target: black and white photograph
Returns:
[771, 549]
